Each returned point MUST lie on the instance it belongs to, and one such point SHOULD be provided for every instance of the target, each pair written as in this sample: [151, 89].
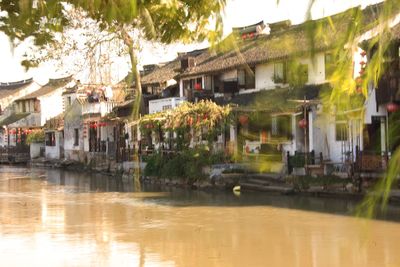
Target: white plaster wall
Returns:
[8, 100]
[51, 105]
[32, 120]
[107, 132]
[159, 104]
[35, 150]
[73, 120]
[316, 72]
[316, 68]
[53, 152]
[264, 75]
[370, 108]
[65, 100]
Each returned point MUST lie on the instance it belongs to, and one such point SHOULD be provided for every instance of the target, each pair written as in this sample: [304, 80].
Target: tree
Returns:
[155, 20]
[163, 21]
[167, 21]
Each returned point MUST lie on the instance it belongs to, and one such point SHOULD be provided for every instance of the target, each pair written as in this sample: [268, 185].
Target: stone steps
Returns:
[284, 190]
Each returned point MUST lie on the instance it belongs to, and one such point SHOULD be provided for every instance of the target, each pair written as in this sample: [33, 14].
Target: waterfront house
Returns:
[275, 81]
[255, 81]
[54, 137]
[9, 92]
[87, 138]
[31, 111]
[372, 137]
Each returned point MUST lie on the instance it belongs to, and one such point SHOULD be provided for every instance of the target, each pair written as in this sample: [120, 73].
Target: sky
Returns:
[237, 13]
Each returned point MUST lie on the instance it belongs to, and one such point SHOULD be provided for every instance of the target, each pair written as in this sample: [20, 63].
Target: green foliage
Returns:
[35, 137]
[154, 164]
[196, 115]
[187, 165]
[297, 74]
[164, 21]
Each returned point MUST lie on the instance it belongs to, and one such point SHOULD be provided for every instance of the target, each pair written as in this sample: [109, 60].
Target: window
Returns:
[246, 78]
[208, 82]
[280, 72]
[23, 106]
[69, 101]
[251, 79]
[329, 65]
[36, 106]
[50, 139]
[76, 137]
[134, 133]
[166, 107]
[241, 78]
[341, 131]
[217, 84]
[281, 127]
[303, 72]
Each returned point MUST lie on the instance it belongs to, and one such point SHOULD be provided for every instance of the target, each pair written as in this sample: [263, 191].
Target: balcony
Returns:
[203, 95]
[102, 108]
[159, 105]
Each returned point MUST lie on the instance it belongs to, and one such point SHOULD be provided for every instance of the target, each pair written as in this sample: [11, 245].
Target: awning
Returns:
[13, 118]
[281, 100]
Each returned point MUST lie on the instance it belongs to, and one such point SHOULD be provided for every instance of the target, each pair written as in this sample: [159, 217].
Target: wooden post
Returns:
[290, 169]
[305, 134]
[312, 157]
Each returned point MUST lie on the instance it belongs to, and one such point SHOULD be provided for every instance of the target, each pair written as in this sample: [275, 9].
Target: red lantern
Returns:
[362, 63]
[361, 72]
[363, 53]
[189, 121]
[359, 90]
[197, 86]
[303, 123]
[251, 35]
[392, 107]
[243, 119]
[244, 36]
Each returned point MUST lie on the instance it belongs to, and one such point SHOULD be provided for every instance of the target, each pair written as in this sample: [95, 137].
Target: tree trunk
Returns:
[138, 104]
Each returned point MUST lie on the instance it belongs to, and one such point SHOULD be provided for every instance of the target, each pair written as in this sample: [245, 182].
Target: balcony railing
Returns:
[159, 105]
[367, 161]
[102, 108]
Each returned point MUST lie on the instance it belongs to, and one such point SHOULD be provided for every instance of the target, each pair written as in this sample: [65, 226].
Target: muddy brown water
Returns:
[57, 218]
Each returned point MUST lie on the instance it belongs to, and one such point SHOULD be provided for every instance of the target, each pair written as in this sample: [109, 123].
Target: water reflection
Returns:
[55, 218]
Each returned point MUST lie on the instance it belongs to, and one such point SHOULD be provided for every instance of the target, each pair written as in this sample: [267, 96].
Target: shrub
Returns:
[154, 165]
[174, 167]
[35, 137]
[188, 164]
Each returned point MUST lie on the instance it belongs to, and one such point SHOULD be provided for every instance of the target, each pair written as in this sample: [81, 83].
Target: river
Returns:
[58, 218]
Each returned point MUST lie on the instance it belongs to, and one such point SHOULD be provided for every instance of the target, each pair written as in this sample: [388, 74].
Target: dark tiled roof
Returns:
[314, 35]
[15, 85]
[277, 100]
[171, 69]
[70, 90]
[162, 74]
[13, 118]
[7, 89]
[51, 86]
